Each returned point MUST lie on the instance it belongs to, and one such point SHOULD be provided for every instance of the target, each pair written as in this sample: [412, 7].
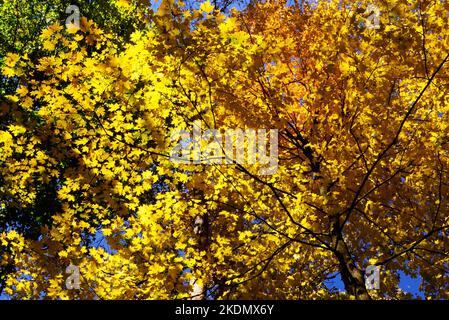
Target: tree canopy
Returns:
[89, 118]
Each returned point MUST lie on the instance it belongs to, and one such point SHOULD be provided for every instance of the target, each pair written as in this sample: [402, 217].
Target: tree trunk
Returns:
[352, 277]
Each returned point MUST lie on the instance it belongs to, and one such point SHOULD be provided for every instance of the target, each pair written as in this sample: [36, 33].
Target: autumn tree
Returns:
[20, 28]
[360, 179]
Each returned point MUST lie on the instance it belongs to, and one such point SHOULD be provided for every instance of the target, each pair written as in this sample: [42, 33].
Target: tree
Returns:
[360, 177]
[20, 29]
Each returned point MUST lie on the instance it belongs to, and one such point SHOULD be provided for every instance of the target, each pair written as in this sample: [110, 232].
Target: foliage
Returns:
[362, 119]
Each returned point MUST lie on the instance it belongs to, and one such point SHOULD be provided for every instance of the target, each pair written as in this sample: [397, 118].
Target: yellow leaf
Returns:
[207, 7]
